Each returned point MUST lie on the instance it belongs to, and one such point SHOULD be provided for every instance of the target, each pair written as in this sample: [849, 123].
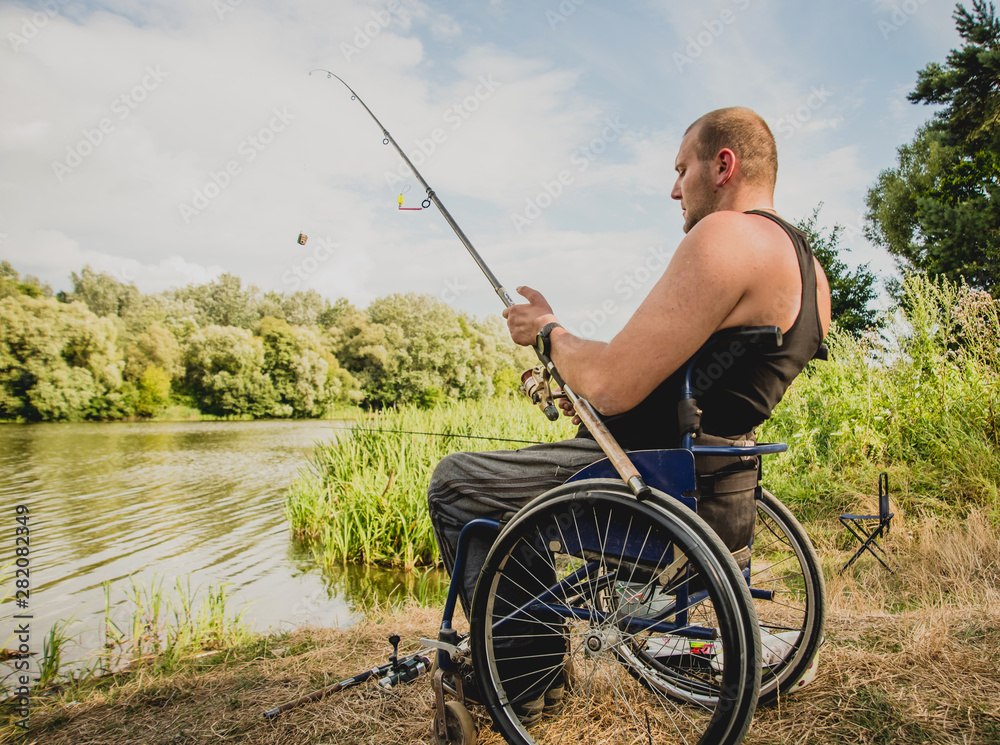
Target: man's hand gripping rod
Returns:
[586, 412]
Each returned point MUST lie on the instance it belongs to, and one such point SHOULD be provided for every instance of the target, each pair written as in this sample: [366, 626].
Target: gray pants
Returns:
[495, 485]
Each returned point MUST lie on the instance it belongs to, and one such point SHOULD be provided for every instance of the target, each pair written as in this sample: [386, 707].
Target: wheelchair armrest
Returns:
[762, 448]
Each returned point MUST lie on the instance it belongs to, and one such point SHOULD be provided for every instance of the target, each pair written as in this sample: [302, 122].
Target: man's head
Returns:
[726, 153]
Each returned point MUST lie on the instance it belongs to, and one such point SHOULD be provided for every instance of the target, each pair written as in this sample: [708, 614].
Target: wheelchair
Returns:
[600, 616]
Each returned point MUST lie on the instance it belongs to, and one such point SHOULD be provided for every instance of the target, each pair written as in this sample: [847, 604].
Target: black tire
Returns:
[608, 550]
[784, 561]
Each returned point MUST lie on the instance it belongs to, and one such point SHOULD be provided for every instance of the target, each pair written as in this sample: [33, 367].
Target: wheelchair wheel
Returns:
[583, 576]
[787, 584]
[788, 591]
[460, 725]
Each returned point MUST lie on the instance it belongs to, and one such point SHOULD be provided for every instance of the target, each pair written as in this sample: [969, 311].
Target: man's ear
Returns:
[725, 166]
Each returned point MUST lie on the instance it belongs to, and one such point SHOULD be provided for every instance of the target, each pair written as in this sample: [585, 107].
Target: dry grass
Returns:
[910, 657]
[222, 700]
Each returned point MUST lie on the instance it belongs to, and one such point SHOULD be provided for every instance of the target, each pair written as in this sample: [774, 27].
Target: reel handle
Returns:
[535, 384]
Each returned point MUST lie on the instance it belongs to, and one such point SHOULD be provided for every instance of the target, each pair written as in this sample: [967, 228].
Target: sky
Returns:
[169, 142]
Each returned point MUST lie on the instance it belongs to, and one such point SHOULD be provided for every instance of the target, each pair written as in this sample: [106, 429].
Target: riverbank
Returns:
[910, 657]
[185, 413]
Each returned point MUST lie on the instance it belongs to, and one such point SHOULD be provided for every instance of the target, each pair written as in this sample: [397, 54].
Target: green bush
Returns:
[58, 361]
[919, 399]
[154, 391]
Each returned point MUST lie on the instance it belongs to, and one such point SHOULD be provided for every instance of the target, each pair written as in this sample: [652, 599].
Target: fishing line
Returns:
[435, 434]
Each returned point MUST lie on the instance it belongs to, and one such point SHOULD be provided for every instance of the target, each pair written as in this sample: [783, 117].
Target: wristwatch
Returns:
[542, 342]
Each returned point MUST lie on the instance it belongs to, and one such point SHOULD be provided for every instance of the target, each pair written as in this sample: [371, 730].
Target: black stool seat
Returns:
[868, 529]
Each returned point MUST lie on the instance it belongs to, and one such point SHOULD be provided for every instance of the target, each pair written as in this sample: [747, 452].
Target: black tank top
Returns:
[736, 393]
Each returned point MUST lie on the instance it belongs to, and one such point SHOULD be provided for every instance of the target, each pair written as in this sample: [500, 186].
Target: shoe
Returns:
[532, 710]
[775, 648]
[560, 687]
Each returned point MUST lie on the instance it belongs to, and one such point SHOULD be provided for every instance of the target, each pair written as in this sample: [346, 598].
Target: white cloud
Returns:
[445, 27]
[500, 101]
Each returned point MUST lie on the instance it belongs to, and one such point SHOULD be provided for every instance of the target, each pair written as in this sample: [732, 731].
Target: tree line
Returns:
[104, 350]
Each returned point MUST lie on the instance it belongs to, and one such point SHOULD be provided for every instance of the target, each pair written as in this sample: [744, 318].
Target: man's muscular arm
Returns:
[708, 276]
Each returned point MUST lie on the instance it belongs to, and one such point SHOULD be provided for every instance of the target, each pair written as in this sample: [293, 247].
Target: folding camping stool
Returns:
[868, 529]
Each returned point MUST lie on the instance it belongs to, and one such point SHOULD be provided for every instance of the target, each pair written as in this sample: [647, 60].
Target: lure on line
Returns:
[400, 201]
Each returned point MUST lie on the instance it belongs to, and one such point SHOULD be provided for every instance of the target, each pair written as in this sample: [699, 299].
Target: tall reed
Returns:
[918, 399]
[365, 496]
[53, 646]
[164, 628]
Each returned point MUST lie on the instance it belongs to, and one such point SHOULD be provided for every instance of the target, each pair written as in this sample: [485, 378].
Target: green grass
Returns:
[365, 499]
[184, 412]
[875, 717]
[919, 400]
[163, 630]
[345, 411]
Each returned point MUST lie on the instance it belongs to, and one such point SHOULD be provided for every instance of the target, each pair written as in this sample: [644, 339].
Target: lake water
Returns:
[135, 503]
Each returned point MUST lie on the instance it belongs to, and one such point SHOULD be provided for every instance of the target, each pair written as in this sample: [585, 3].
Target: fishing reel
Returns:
[535, 384]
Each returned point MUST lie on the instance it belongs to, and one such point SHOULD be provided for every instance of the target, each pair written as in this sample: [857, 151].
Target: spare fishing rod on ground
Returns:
[536, 382]
[395, 672]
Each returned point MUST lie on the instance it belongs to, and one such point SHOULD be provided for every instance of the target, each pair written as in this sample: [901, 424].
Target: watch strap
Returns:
[543, 337]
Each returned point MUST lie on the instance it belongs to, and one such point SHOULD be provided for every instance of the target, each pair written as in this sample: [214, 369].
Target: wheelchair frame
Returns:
[629, 630]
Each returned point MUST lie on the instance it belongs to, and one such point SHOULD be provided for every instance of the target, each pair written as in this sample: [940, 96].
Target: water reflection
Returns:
[366, 588]
[140, 503]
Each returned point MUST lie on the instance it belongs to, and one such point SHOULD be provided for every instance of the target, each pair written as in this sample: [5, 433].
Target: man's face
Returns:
[694, 187]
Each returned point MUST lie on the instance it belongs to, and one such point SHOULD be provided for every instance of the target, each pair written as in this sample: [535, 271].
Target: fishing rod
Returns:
[393, 673]
[587, 413]
[431, 196]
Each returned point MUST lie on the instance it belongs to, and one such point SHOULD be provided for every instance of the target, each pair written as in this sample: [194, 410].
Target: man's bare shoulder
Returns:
[733, 229]
[751, 259]
[734, 242]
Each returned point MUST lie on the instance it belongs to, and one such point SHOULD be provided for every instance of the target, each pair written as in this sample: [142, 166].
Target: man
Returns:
[739, 264]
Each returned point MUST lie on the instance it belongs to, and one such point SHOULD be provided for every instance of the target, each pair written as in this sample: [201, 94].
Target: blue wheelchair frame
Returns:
[671, 471]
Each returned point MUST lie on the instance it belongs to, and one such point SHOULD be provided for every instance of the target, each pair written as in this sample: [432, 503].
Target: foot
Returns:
[532, 710]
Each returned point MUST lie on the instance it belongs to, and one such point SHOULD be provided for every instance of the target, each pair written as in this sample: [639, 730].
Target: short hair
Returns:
[744, 132]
